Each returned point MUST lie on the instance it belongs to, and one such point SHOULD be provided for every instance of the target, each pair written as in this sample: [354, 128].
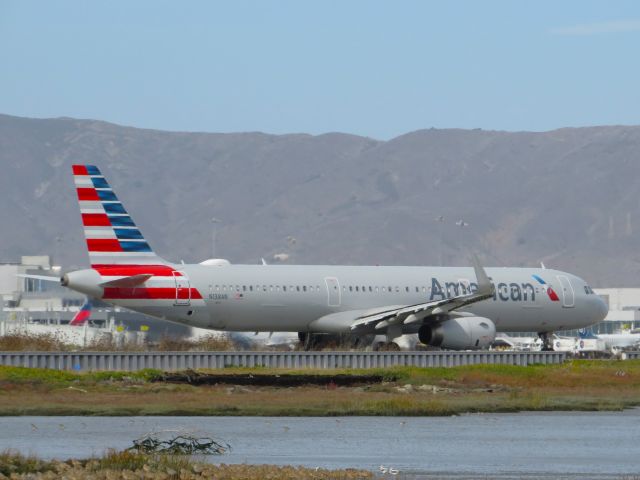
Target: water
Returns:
[529, 445]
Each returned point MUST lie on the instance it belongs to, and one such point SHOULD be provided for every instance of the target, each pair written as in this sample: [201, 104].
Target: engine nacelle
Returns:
[461, 333]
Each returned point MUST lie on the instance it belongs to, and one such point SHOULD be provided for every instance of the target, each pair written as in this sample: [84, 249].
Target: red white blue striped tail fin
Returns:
[112, 236]
[83, 314]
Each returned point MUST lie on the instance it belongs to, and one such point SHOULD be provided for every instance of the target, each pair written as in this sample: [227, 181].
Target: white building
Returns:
[624, 309]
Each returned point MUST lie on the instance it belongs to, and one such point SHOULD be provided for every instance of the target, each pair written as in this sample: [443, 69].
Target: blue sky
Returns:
[371, 68]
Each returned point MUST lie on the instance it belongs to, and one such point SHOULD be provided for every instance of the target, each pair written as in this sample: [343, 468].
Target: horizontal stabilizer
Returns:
[46, 278]
[132, 281]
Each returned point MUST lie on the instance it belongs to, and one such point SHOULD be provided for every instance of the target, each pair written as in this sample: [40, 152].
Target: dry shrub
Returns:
[116, 464]
[181, 344]
[14, 463]
[109, 344]
[40, 342]
[101, 344]
[47, 342]
[116, 460]
[248, 472]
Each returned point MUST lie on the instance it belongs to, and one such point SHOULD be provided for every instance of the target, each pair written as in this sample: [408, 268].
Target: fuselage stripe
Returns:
[112, 293]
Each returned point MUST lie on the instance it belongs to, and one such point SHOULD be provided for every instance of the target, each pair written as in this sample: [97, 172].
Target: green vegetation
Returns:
[130, 465]
[575, 385]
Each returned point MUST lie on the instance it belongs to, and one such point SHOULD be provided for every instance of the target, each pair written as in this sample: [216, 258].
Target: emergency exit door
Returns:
[333, 291]
[183, 289]
[568, 295]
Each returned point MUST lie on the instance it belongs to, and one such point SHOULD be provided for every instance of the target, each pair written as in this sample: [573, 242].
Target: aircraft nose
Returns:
[599, 308]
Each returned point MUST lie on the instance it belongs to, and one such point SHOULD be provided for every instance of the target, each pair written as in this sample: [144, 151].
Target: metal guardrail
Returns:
[172, 361]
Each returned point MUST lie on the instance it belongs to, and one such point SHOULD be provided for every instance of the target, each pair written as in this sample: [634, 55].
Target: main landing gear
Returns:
[547, 341]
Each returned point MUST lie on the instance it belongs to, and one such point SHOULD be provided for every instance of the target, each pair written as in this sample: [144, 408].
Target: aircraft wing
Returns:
[406, 315]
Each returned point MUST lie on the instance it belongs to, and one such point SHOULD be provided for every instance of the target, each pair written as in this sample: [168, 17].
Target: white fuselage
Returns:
[295, 298]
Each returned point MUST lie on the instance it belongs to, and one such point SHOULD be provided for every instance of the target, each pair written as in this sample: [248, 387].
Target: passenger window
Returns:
[376, 289]
[298, 288]
[224, 288]
[407, 289]
[384, 289]
[350, 288]
[251, 288]
[284, 288]
[304, 288]
[370, 289]
[277, 288]
[357, 288]
[264, 288]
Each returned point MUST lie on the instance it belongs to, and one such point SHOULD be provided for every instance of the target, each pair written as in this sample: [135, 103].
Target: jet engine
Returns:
[459, 333]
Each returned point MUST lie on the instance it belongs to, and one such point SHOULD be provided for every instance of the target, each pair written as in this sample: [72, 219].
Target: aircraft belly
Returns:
[258, 316]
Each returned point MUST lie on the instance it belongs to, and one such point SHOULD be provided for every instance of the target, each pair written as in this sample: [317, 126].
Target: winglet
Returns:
[484, 284]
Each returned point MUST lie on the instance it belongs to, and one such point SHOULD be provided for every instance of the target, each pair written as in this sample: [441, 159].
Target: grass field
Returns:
[575, 385]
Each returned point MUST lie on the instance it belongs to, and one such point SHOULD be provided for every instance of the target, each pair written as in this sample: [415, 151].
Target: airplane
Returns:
[624, 339]
[449, 307]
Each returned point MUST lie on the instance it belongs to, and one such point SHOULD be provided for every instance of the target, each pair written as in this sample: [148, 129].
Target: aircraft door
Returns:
[568, 295]
[183, 289]
[333, 291]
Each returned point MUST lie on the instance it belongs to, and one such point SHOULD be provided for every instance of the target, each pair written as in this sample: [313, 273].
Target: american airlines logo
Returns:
[550, 291]
[515, 292]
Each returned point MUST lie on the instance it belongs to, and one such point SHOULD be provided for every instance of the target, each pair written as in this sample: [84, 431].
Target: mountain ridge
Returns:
[568, 197]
